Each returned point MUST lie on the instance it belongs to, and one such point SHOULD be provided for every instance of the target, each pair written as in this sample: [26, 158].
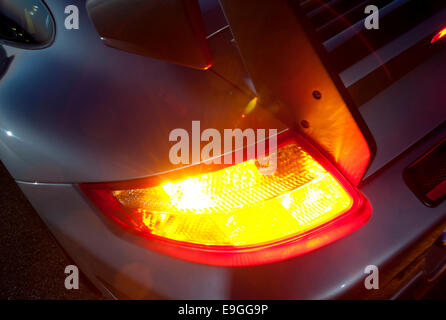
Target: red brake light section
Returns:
[233, 216]
[439, 35]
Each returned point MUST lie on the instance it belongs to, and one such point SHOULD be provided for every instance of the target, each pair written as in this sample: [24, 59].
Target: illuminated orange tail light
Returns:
[234, 215]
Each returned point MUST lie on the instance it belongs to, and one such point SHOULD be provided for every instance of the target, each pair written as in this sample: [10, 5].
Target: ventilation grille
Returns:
[359, 55]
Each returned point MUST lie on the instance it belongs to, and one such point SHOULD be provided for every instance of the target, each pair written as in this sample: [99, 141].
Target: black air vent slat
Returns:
[333, 9]
[311, 5]
[328, 4]
[342, 22]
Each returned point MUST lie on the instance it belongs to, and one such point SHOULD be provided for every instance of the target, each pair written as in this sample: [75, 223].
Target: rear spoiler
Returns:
[293, 80]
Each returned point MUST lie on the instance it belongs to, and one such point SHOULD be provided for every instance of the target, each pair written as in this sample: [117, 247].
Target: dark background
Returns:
[32, 264]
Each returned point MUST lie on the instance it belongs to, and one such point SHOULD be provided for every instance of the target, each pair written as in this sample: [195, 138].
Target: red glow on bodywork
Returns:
[439, 35]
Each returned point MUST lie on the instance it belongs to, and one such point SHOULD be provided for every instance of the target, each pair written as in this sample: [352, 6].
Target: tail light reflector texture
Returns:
[236, 215]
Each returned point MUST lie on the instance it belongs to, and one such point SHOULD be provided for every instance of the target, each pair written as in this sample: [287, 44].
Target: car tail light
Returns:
[234, 215]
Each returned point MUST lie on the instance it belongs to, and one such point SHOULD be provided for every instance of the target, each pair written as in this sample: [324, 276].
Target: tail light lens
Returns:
[235, 215]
